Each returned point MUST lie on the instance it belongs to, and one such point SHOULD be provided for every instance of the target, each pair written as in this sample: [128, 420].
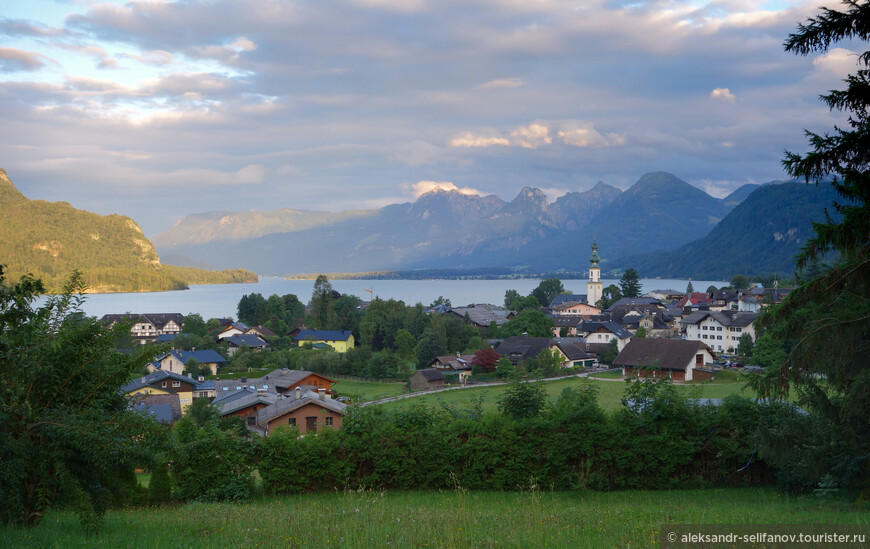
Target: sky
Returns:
[159, 109]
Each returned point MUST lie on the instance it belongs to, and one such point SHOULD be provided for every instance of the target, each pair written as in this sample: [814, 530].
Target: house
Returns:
[308, 411]
[452, 363]
[520, 348]
[175, 361]
[425, 380]
[721, 330]
[578, 308]
[281, 382]
[567, 325]
[164, 382]
[340, 340]
[146, 327]
[599, 334]
[660, 358]
[250, 341]
[665, 295]
[246, 404]
[233, 329]
[484, 314]
[561, 299]
[261, 331]
[573, 352]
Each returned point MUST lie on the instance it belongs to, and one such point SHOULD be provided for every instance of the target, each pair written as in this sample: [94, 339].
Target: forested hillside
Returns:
[51, 240]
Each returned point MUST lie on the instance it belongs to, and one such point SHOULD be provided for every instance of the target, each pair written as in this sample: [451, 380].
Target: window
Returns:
[329, 421]
[719, 328]
[176, 384]
[703, 327]
[292, 421]
[163, 384]
[252, 420]
[719, 337]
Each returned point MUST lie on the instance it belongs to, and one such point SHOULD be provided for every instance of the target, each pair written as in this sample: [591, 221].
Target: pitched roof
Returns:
[324, 335]
[157, 406]
[567, 298]
[287, 403]
[483, 314]
[277, 380]
[574, 348]
[635, 301]
[159, 320]
[725, 318]
[430, 374]
[262, 331]
[517, 348]
[154, 377]
[248, 340]
[203, 356]
[610, 326]
[667, 354]
[244, 399]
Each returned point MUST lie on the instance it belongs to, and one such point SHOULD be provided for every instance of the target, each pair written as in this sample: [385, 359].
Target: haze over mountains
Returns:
[451, 230]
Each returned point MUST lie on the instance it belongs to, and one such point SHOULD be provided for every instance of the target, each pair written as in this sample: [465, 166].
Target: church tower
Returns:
[593, 285]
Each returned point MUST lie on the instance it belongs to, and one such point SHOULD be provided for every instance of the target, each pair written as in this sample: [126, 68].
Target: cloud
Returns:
[104, 60]
[12, 60]
[422, 187]
[540, 134]
[468, 139]
[19, 28]
[531, 136]
[153, 57]
[500, 84]
[724, 94]
[839, 61]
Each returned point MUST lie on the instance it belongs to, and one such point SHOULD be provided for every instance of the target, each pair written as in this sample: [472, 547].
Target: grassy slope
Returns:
[438, 519]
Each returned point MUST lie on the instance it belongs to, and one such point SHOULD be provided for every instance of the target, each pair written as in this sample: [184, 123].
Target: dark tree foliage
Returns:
[547, 290]
[825, 322]
[322, 298]
[609, 296]
[523, 400]
[532, 323]
[486, 359]
[629, 284]
[67, 437]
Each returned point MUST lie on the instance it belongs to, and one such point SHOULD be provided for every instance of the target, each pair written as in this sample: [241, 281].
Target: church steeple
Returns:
[593, 285]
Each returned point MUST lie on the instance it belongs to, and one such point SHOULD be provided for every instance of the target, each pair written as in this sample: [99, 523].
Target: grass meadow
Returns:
[456, 518]
[609, 397]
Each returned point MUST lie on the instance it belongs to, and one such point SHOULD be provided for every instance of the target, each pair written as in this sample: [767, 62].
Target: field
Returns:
[609, 397]
[456, 518]
[365, 391]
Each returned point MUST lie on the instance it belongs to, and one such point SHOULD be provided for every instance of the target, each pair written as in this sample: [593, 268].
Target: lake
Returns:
[221, 300]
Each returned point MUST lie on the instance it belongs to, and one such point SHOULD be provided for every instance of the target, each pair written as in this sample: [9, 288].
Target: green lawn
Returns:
[455, 518]
[609, 396]
[365, 391]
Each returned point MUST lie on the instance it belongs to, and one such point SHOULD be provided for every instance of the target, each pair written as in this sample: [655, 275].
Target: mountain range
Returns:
[452, 230]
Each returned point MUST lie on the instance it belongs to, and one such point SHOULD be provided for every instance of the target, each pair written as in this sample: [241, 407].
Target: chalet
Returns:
[261, 331]
[308, 411]
[573, 352]
[340, 340]
[250, 341]
[599, 334]
[281, 382]
[146, 327]
[660, 358]
[721, 330]
[452, 363]
[175, 361]
[425, 380]
[165, 383]
[233, 329]
[246, 404]
[567, 325]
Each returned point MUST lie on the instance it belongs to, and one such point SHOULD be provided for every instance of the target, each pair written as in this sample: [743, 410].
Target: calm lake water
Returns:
[221, 300]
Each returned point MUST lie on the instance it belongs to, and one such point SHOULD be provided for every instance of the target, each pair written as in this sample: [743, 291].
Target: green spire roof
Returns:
[594, 259]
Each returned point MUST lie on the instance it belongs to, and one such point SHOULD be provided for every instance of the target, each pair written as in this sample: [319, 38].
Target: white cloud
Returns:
[839, 61]
[12, 59]
[532, 136]
[724, 94]
[153, 57]
[500, 84]
[468, 139]
[422, 187]
[583, 134]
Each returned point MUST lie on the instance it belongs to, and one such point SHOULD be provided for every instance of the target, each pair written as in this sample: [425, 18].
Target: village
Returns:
[684, 337]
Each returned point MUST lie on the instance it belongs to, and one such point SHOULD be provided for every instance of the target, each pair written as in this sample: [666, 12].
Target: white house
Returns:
[720, 330]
